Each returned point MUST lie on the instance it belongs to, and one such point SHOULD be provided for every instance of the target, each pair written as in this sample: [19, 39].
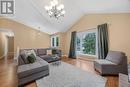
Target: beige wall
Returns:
[24, 36]
[3, 45]
[119, 30]
[10, 45]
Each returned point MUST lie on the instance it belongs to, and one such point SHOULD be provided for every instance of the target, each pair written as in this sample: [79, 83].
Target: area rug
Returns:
[65, 75]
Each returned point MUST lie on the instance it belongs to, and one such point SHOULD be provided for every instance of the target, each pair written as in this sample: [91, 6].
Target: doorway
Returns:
[6, 43]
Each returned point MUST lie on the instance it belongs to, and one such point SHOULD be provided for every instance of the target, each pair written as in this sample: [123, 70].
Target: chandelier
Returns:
[55, 9]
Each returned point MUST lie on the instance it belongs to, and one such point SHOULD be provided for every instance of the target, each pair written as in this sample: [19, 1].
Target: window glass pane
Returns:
[89, 44]
[78, 43]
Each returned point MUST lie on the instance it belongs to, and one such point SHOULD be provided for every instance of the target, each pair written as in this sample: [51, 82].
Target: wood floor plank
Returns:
[8, 76]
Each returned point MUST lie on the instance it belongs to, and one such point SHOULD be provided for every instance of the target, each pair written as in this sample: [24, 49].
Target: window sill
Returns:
[55, 47]
[86, 55]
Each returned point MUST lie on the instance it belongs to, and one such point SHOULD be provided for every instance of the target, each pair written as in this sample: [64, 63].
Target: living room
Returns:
[87, 45]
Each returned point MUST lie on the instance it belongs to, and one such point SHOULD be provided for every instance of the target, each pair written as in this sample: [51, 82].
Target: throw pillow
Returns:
[26, 53]
[31, 58]
[24, 57]
[49, 52]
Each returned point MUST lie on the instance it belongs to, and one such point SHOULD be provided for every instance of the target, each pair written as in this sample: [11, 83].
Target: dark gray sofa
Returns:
[115, 63]
[42, 53]
[31, 72]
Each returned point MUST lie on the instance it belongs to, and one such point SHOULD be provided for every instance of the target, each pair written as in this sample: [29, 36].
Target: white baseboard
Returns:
[2, 56]
[65, 55]
[11, 53]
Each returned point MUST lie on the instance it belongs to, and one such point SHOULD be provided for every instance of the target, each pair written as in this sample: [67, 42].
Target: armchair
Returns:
[115, 63]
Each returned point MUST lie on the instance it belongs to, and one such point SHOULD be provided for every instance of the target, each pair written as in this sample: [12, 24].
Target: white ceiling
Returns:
[32, 12]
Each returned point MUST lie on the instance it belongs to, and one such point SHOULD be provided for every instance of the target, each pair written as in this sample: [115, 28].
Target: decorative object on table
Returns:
[57, 63]
[55, 9]
[55, 57]
[66, 75]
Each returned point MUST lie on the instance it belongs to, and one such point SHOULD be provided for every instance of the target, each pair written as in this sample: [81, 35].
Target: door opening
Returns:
[6, 43]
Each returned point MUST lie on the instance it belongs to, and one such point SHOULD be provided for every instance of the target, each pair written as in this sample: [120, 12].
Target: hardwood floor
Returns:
[8, 77]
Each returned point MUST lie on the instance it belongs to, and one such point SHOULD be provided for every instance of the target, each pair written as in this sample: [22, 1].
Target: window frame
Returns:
[81, 35]
[54, 41]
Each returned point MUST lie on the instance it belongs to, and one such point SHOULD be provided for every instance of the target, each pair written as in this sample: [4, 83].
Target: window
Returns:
[54, 41]
[87, 43]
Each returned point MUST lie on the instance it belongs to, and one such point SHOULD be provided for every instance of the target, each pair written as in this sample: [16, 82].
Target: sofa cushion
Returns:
[29, 69]
[115, 56]
[41, 51]
[104, 62]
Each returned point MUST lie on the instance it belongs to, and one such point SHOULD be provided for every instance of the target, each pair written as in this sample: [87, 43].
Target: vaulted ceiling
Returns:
[32, 12]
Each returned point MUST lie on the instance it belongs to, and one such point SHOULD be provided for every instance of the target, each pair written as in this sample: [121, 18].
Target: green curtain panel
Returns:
[102, 41]
[72, 51]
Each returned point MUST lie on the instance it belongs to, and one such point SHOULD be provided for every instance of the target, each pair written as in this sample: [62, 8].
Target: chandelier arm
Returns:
[55, 10]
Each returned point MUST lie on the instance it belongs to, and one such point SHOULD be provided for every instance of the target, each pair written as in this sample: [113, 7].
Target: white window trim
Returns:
[81, 34]
[55, 36]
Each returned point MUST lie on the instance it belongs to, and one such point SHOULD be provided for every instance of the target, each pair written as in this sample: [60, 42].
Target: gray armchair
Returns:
[115, 63]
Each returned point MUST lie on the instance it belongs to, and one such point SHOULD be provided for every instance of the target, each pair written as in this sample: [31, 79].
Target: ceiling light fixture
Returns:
[55, 9]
